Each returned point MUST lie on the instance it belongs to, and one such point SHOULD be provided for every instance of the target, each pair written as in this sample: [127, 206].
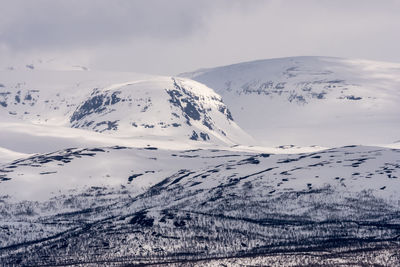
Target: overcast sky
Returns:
[173, 36]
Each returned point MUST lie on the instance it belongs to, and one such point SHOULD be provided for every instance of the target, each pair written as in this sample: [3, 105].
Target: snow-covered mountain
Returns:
[108, 168]
[146, 205]
[121, 104]
[311, 100]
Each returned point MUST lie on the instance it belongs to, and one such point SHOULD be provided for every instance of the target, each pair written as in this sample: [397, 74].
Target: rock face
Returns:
[311, 100]
[159, 107]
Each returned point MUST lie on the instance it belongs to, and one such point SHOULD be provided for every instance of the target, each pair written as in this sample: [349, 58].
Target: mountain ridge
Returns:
[324, 100]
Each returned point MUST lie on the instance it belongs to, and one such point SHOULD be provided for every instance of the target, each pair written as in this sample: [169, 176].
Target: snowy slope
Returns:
[311, 100]
[145, 204]
[119, 104]
[132, 168]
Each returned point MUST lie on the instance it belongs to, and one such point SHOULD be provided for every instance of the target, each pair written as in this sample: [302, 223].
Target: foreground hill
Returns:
[146, 205]
[311, 100]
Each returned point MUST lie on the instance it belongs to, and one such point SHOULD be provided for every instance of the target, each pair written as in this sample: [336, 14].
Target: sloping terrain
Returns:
[126, 105]
[143, 205]
[311, 100]
[102, 168]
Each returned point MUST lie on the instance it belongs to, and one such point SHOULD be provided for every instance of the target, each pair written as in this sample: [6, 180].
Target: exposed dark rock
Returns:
[133, 176]
[194, 136]
[204, 136]
[92, 105]
[352, 97]
[110, 125]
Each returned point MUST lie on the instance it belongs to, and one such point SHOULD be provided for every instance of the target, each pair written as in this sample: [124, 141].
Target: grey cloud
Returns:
[73, 23]
[171, 36]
